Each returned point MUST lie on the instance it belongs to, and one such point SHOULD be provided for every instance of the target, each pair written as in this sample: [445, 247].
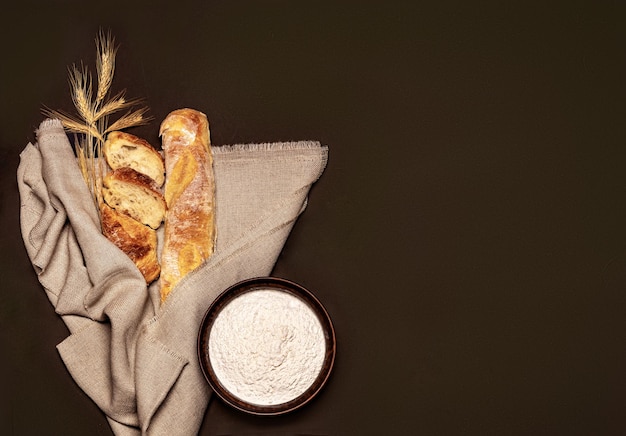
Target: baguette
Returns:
[189, 236]
[138, 241]
[125, 150]
[134, 194]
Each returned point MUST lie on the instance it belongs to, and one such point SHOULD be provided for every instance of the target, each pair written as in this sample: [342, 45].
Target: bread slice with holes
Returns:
[136, 240]
[125, 150]
[136, 195]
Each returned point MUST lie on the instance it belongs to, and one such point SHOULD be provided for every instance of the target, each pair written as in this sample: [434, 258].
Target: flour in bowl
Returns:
[267, 347]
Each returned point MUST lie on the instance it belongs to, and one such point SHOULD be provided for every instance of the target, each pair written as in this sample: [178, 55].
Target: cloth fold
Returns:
[137, 360]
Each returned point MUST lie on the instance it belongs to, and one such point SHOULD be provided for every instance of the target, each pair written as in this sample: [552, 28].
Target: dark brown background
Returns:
[468, 236]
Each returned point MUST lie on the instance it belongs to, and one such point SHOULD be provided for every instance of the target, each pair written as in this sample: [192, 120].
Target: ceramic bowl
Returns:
[253, 285]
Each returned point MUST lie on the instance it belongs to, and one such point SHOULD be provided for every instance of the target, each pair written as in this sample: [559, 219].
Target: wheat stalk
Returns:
[105, 64]
[90, 125]
[112, 105]
[80, 85]
[129, 119]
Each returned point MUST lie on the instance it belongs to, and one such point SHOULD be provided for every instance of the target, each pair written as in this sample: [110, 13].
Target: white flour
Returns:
[267, 347]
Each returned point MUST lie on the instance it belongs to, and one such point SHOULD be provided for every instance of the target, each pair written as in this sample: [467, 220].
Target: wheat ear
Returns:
[94, 111]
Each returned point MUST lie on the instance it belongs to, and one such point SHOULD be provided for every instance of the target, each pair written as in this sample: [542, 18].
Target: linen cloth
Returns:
[135, 358]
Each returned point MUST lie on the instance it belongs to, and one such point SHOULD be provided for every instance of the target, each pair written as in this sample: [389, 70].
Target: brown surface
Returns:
[468, 236]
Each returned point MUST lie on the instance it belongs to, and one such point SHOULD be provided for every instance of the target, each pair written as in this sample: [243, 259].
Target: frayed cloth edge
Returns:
[268, 146]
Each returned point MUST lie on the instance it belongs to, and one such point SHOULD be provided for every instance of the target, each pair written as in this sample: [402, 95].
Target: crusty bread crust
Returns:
[122, 149]
[189, 237]
[138, 241]
[134, 194]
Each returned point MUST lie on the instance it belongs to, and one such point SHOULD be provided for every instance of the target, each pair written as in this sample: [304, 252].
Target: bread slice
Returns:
[135, 195]
[137, 241]
[125, 150]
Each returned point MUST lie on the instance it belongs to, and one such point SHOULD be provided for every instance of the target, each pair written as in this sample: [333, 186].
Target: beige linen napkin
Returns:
[138, 360]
